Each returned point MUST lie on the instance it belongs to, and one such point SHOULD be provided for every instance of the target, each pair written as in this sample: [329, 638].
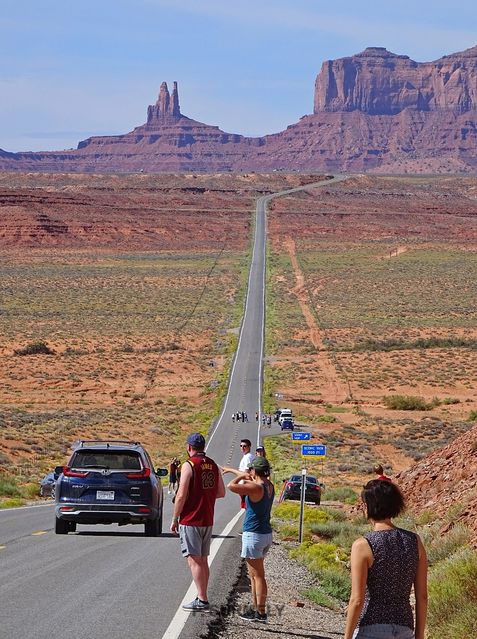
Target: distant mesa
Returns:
[379, 82]
[374, 111]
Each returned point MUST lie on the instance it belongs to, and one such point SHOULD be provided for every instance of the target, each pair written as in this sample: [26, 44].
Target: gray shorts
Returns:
[383, 631]
[195, 540]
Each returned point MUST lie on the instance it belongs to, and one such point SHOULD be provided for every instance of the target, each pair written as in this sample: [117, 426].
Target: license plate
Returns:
[105, 494]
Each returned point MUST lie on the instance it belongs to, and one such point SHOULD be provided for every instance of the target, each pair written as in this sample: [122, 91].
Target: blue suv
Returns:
[109, 482]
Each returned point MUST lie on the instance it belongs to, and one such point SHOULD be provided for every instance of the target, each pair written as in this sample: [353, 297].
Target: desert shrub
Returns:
[438, 546]
[421, 343]
[30, 490]
[473, 416]
[327, 419]
[316, 556]
[342, 534]
[34, 348]
[343, 494]
[11, 502]
[450, 400]
[406, 402]
[9, 488]
[321, 598]
[291, 511]
[453, 597]
[335, 582]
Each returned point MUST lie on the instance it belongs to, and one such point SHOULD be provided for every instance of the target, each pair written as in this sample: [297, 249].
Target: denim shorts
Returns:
[255, 545]
[383, 631]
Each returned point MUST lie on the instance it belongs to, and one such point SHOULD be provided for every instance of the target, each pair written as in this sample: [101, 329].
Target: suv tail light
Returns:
[143, 474]
[67, 472]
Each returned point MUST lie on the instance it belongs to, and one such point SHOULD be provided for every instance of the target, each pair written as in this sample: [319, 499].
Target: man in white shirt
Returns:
[248, 456]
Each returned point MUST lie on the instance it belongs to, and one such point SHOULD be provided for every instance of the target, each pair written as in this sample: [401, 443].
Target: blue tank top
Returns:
[390, 578]
[257, 513]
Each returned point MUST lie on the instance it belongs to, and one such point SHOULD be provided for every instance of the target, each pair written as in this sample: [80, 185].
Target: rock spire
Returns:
[167, 105]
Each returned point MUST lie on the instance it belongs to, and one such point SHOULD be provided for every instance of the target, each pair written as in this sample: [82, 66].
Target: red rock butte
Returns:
[374, 111]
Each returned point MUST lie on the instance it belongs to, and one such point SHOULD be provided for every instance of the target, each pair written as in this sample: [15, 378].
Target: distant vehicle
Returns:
[287, 424]
[48, 485]
[292, 489]
[283, 413]
[109, 482]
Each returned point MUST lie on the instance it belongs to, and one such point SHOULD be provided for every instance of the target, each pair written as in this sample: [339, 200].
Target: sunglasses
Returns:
[244, 446]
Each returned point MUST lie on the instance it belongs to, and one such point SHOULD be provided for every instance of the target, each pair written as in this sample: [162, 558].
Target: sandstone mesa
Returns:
[374, 111]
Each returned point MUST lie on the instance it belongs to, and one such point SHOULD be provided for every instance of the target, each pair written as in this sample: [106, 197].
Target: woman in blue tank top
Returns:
[257, 531]
[385, 564]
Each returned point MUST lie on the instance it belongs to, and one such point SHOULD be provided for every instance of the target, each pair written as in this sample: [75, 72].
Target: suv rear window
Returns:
[111, 459]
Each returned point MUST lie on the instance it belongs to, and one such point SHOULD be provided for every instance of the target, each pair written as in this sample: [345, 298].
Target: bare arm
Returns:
[228, 469]
[241, 485]
[420, 591]
[220, 487]
[181, 495]
[361, 559]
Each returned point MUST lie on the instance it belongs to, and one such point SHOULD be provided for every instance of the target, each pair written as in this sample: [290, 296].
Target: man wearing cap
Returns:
[257, 532]
[201, 484]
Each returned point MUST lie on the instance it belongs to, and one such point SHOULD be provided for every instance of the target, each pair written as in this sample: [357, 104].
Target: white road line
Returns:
[6, 510]
[180, 618]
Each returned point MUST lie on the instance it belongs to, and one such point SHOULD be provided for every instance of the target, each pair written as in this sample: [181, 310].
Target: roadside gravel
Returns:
[291, 615]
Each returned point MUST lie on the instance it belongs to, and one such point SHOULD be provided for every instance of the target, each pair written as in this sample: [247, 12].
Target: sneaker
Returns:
[261, 618]
[248, 615]
[197, 606]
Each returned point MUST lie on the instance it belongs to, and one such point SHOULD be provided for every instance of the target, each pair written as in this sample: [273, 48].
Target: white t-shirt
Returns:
[246, 461]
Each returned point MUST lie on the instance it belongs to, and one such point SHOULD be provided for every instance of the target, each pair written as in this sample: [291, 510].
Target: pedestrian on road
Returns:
[256, 416]
[258, 492]
[385, 564]
[233, 417]
[247, 458]
[201, 484]
[260, 451]
[173, 466]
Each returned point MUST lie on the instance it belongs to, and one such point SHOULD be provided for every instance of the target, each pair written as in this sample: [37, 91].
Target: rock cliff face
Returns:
[375, 111]
[378, 82]
[446, 478]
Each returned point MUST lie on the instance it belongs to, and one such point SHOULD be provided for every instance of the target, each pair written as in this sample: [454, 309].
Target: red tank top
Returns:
[200, 503]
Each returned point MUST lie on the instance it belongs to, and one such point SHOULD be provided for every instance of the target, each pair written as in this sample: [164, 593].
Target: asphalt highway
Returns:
[106, 582]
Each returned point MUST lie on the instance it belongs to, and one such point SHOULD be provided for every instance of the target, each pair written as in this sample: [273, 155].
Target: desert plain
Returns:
[132, 289]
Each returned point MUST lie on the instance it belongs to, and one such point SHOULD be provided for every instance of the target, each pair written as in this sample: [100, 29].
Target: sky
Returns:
[69, 70]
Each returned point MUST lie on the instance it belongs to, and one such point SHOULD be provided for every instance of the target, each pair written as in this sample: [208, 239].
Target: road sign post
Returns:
[302, 504]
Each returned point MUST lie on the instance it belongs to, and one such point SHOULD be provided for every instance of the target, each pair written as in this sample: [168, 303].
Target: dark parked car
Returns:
[48, 485]
[292, 489]
[109, 482]
[287, 424]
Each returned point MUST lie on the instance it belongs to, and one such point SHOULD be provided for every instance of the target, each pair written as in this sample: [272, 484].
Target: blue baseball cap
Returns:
[196, 440]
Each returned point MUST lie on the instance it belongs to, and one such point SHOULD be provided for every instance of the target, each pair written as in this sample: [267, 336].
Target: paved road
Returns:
[112, 582]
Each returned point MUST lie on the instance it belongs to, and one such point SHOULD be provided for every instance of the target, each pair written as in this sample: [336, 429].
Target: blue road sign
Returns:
[302, 437]
[313, 450]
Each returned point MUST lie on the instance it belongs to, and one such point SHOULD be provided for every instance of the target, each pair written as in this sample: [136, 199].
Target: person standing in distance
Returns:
[201, 484]
[247, 458]
[385, 565]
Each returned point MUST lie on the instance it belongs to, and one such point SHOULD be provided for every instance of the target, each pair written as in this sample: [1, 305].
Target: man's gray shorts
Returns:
[195, 540]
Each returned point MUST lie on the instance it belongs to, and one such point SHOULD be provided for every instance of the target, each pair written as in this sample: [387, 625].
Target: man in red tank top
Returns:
[201, 484]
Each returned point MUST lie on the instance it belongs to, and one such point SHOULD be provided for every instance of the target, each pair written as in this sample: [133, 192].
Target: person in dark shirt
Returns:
[258, 491]
[385, 565]
[201, 484]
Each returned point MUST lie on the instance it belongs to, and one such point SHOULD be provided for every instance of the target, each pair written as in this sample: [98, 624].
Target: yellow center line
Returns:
[2, 547]
[39, 532]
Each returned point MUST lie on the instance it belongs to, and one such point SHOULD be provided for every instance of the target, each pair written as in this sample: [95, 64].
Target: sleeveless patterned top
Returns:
[390, 578]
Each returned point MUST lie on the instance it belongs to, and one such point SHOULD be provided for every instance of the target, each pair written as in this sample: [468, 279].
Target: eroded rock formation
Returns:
[378, 82]
[375, 111]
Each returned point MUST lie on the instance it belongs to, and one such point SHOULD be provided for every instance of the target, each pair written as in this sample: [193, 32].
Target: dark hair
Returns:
[262, 472]
[246, 441]
[383, 499]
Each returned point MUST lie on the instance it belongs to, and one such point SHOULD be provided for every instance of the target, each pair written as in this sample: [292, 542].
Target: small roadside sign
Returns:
[301, 437]
[313, 450]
